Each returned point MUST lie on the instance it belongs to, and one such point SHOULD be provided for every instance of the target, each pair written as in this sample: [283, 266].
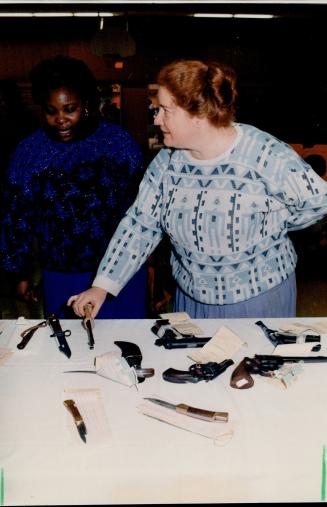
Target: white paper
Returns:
[296, 349]
[90, 405]
[113, 366]
[223, 345]
[2, 327]
[34, 345]
[182, 323]
[319, 327]
[220, 432]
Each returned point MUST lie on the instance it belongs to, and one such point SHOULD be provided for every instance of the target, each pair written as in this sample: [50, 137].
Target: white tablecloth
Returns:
[274, 455]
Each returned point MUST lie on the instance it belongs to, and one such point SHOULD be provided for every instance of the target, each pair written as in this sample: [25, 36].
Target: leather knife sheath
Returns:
[132, 353]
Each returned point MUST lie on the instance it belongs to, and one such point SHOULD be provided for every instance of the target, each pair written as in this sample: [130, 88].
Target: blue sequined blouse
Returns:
[70, 195]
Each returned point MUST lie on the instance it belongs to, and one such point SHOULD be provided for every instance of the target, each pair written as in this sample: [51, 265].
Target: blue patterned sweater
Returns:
[71, 195]
[227, 219]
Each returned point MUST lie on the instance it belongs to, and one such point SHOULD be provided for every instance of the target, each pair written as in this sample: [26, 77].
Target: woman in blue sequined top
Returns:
[68, 184]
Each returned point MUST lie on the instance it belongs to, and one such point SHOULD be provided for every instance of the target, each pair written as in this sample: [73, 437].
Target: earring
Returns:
[86, 112]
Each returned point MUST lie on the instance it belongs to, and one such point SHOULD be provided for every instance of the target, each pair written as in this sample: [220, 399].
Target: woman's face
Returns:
[63, 112]
[177, 125]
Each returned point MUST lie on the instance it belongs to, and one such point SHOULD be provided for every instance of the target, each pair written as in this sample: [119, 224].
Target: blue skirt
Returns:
[131, 302]
[277, 302]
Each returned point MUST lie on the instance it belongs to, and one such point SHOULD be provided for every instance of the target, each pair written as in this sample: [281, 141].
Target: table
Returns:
[274, 455]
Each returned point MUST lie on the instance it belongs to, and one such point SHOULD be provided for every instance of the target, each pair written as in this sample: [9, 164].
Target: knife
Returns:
[80, 425]
[28, 333]
[59, 334]
[88, 324]
[198, 413]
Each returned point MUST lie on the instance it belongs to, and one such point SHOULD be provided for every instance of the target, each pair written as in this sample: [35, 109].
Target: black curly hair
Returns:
[64, 72]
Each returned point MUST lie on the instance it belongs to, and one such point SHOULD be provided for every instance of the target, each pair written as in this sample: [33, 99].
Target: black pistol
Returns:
[54, 323]
[197, 372]
[278, 338]
[171, 339]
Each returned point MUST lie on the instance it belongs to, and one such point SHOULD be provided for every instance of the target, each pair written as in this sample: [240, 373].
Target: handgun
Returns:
[171, 339]
[278, 338]
[197, 372]
[265, 365]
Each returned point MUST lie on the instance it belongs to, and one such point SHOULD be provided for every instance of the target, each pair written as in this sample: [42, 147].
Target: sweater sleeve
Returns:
[138, 233]
[294, 183]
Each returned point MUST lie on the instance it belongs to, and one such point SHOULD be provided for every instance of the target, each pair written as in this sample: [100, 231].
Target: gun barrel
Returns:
[292, 359]
[181, 343]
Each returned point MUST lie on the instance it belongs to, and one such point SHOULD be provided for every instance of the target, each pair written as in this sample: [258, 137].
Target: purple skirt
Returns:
[277, 302]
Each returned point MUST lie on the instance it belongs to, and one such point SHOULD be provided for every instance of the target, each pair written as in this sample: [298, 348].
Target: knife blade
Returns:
[59, 334]
[80, 371]
[78, 419]
[198, 413]
[88, 324]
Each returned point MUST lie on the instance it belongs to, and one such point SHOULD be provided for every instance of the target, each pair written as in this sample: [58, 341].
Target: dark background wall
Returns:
[280, 62]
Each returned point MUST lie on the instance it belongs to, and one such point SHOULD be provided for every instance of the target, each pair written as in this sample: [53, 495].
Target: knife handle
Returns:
[70, 405]
[88, 310]
[199, 413]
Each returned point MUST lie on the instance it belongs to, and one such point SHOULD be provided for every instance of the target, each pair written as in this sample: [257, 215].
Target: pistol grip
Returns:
[241, 378]
[179, 376]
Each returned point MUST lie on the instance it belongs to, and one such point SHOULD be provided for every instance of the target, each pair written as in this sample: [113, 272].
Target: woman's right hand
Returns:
[95, 296]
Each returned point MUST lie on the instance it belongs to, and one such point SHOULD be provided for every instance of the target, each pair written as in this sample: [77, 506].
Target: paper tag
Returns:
[113, 366]
[2, 327]
[220, 432]
[284, 376]
[319, 327]
[182, 323]
[295, 349]
[223, 345]
[91, 407]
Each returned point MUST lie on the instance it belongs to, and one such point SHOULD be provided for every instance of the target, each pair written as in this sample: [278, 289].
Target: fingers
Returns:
[94, 297]
[71, 300]
[77, 304]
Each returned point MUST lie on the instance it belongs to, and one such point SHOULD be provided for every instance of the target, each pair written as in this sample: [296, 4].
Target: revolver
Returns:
[265, 365]
[197, 372]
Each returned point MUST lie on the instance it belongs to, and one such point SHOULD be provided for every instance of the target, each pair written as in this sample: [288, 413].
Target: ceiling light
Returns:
[16, 14]
[201, 15]
[55, 14]
[52, 14]
[222, 15]
[254, 16]
[86, 14]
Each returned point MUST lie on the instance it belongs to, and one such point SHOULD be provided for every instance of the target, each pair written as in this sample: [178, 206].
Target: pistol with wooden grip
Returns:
[265, 365]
